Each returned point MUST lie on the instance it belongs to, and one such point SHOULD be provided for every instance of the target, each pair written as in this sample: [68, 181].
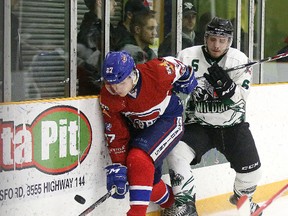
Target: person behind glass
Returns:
[188, 33]
[89, 40]
[204, 19]
[244, 36]
[143, 29]
[215, 118]
[123, 26]
[143, 123]
[16, 50]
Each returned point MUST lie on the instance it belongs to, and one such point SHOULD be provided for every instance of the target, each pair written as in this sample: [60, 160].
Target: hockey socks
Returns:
[162, 195]
[181, 176]
[140, 177]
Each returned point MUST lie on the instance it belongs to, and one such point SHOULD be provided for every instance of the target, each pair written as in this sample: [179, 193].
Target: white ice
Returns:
[279, 207]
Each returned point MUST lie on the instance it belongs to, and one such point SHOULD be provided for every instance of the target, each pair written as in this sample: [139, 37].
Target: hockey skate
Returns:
[253, 206]
[187, 209]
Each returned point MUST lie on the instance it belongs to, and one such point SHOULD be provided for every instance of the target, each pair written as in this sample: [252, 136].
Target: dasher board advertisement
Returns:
[49, 152]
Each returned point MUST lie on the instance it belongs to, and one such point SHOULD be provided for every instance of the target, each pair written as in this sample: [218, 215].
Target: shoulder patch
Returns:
[168, 66]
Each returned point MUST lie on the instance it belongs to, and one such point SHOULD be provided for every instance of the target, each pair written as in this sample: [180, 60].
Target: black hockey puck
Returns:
[80, 199]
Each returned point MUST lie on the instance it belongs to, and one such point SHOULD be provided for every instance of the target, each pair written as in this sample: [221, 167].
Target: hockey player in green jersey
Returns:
[215, 118]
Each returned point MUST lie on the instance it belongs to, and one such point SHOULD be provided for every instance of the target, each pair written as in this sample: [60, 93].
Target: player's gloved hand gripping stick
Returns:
[117, 186]
[220, 80]
[223, 84]
[249, 64]
[117, 178]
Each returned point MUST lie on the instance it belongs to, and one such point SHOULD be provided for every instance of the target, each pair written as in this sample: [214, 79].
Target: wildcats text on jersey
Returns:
[208, 107]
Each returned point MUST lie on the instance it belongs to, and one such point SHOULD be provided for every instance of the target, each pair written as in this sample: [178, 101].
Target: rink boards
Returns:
[52, 150]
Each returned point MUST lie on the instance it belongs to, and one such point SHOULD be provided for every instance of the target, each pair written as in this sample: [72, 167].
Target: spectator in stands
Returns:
[188, 33]
[143, 29]
[244, 45]
[204, 19]
[89, 40]
[123, 27]
[16, 55]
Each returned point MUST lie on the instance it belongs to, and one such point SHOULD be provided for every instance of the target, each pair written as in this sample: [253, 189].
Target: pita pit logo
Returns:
[57, 140]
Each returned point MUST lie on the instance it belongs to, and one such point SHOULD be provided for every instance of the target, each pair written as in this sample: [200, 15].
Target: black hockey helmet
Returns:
[90, 4]
[219, 27]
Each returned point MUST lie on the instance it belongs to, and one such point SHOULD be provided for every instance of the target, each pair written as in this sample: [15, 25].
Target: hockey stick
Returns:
[268, 59]
[98, 202]
[268, 202]
[243, 204]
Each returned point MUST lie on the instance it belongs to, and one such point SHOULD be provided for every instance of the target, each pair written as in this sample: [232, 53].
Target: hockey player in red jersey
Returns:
[143, 122]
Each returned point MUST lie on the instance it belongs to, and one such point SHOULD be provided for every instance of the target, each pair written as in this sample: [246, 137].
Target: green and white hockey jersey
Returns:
[204, 106]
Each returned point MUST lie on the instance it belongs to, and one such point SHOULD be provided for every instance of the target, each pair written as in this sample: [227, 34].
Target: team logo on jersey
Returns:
[143, 120]
[169, 68]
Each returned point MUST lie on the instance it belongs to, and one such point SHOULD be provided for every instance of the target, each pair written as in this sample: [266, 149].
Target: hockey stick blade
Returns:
[268, 202]
[98, 202]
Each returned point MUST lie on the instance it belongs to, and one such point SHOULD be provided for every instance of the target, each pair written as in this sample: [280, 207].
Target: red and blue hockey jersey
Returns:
[150, 99]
